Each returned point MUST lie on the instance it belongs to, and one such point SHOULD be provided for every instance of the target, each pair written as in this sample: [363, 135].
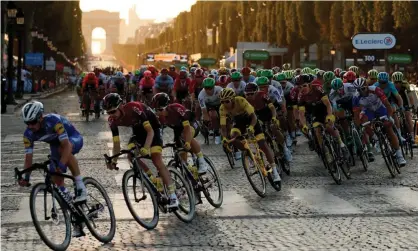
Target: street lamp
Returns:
[332, 51]
[355, 56]
[34, 33]
[20, 20]
[11, 14]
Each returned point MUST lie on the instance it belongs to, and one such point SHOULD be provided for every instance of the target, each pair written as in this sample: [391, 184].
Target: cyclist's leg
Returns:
[409, 123]
[214, 117]
[397, 121]
[259, 136]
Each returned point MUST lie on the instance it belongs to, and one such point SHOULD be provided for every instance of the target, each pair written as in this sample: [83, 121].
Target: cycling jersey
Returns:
[212, 101]
[164, 83]
[373, 101]
[196, 86]
[182, 85]
[173, 74]
[287, 89]
[312, 101]
[404, 89]
[146, 83]
[343, 97]
[239, 90]
[251, 79]
[388, 90]
[261, 103]
[138, 116]
[275, 95]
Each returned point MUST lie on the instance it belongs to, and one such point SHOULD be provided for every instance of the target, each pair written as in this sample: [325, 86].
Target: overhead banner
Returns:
[373, 41]
[168, 57]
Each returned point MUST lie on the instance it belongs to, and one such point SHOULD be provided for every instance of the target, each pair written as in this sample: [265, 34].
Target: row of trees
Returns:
[59, 20]
[292, 24]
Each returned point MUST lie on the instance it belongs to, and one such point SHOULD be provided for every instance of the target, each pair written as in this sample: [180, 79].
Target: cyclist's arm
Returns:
[28, 151]
[150, 134]
[302, 117]
[222, 115]
[326, 102]
[249, 109]
[64, 142]
[187, 131]
[116, 140]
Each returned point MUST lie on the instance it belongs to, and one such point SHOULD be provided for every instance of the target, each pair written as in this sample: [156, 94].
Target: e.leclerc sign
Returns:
[373, 41]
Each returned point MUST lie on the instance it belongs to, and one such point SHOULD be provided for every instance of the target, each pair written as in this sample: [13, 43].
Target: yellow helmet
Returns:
[227, 94]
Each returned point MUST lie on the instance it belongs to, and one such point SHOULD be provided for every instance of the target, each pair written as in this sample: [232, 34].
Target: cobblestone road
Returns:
[369, 212]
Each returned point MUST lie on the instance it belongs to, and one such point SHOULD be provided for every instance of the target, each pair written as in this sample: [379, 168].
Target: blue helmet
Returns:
[119, 74]
[383, 76]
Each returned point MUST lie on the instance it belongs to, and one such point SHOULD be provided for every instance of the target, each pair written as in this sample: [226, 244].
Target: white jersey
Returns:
[240, 90]
[213, 100]
[275, 95]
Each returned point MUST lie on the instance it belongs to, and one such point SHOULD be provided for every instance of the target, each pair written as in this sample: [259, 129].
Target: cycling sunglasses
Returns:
[33, 122]
[225, 101]
[364, 88]
[111, 112]
[209, 88]
[305, 85]
[249, 93]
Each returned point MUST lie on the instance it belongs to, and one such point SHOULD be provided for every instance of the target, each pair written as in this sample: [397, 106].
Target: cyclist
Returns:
[392, 95]
[222, 81]
[163, 83]
[405, 92]
[64, 140]
[244, 118]
[182, 122]
[355, 69]
[246, 76]
[266, 112]
[327, 78]
[371, 103]
[91, 84]
[210, 102]
[195, 88]
[119, 81]
[181, 87]
[237, 84]
[372, 77]
[172, 72]
[145, 86]
[274, 94]
[313, 100]
[147, 132]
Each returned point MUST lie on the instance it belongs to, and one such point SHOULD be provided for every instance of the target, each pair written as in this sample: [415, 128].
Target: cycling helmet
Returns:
[227, 94]
[137, 72]
[183, 74]
[196, 65]
[328, 76]
[143, 69]
[172, 68]
[262, 81]
[214, 72]
[198, 73]
[223, 79]
[299, 80]
[307, 78]
[111, 101]
[350, 76]
[286, 66]
[147, 74]
[233, 70]
[192, 70]
[320, 74]
[354, 69]
[306, 70]
[336, 84]
[183, 68]
[152, 68]
[251, 88]
[259, 71]
[275, 69]
[32, 111]
[280, 77]
[164, 71]
[246, 71]
[235, 76]
[372, 73]
[160, 100]
[253, 73]
[267, 73]
[222, 71]
[316, 70]
[359, 83]
[211, 76]
[342, 73]
[91, 76]
[208, 83]
[338, 71]
[397, 76]
[383, 77]
[119, 74]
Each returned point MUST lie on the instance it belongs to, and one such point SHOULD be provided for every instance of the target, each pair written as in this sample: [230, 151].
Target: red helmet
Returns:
[91, 76]
[147, 74]
[350, 76]
[337, 71]
[246, 71]
[198, 73]
[183, 74]
[152, 68]
[164, 71]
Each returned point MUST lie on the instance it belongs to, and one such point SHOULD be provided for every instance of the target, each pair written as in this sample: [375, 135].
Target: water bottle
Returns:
[193, 169]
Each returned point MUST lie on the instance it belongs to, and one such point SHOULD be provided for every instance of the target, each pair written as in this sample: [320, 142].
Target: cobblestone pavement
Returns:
[370, 212]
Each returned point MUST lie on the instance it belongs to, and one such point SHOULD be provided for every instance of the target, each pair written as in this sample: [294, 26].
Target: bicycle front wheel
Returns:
[211, 181]
[254, 175]
[230, 157]
[99, 211]
[330, 161]
[359, 149]
[47, 215]
[187, 204]
[136, 193]
[387, 154]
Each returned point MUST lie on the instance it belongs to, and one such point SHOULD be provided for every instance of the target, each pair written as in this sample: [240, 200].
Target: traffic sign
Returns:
[256, 55]
[399, 58]
[207, 61]
[50, 64]
[34, 59]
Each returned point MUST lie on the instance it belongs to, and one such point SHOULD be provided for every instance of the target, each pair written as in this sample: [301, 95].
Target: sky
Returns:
[146, 9]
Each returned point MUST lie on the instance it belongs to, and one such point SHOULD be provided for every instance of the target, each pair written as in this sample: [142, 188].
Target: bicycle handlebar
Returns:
[385, 117]
[43, 166]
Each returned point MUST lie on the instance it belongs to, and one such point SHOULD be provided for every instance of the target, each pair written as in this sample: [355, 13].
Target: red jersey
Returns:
[196, 86]
[177, 116]
[182, 85]
[146, 83]
[173, 74]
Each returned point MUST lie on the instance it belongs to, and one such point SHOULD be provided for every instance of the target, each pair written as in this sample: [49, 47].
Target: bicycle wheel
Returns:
[360, 149]
[386, 154]
[409, 146]
[346, 163]
[97, 209]
[253, 173]
[330, 161]
[135, 193]
[230, 157]
[276, 185]
[214, 198]
[57, 238]
[187, 204]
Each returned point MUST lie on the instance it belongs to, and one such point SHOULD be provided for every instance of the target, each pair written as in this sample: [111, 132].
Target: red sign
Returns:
[59, 67]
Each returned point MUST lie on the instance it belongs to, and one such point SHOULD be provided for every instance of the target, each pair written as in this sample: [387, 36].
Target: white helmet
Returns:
[214, 72]
[32, 111]
[359, 83]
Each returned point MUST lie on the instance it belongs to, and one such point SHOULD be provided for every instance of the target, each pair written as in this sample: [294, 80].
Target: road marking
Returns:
[104, 135]
[323, 201]
[13, 138]
[73, 114]
[404, 195]
[235, 205]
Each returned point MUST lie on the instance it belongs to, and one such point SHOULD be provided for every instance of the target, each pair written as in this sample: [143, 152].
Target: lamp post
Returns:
[11, 14]
[355, 56]
[20, 21]
[332, 52]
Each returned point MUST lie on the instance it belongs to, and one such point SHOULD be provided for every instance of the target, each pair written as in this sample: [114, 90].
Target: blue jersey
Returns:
[54, 129]
[251, 79]
[165, 83]
[389, 90]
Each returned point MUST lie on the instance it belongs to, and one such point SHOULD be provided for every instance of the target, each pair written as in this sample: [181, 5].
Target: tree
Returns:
[336, 22]
[322, 12]
[347, 24]
[382, 18]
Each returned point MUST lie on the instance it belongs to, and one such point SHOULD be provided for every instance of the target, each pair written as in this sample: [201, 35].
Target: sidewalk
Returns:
[29, 96]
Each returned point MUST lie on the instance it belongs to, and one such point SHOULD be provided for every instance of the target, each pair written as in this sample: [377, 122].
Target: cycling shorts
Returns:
[76, 144]
[157, 141]
[240, 126]
[381, 111]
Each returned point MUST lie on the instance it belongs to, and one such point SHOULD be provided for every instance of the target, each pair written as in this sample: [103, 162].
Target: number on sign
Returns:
[369, 58]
